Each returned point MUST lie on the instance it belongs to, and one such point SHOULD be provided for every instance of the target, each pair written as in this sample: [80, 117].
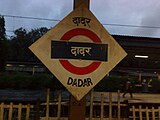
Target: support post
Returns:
[158, 76]
[47, 104]
[77, 109]
[78, 2]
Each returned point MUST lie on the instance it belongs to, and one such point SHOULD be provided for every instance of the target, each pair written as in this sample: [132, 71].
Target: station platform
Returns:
[139, 97]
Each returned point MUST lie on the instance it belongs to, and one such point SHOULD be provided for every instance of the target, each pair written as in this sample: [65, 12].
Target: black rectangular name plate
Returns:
[79, 50]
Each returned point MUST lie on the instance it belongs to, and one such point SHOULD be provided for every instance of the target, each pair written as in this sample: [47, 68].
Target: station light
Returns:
[21, 65]
[141, 56]
[9, 65]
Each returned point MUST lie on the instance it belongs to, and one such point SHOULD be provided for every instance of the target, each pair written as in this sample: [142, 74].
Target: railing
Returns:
[11, 111]
[107, 107]
[145, 113]
[99, 106]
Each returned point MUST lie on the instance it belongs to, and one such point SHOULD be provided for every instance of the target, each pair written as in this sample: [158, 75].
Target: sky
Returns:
[119, 17]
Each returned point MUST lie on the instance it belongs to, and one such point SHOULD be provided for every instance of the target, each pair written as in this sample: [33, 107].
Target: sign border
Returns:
[72, 68]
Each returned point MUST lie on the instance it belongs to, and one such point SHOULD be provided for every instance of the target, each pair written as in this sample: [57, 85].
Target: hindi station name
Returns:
[80, 51]
[81, 20]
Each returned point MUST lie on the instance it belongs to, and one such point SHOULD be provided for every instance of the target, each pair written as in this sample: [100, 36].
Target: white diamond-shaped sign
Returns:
[78, 51]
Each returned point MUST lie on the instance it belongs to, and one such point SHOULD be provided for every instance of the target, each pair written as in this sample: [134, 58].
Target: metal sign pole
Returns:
[77, 109]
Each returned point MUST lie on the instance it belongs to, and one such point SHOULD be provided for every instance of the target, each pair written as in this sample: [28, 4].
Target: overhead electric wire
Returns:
[105, 24]
[142, 26]
[24, 17]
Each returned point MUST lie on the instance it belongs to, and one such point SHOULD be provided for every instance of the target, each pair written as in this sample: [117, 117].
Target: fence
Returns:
[104, 106]
[17, 112]
[145, 113]
[99, 106]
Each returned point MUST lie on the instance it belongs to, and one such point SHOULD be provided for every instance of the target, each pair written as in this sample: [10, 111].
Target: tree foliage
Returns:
[3, 49]
[25, 81]
[16, 47]
[19, 43]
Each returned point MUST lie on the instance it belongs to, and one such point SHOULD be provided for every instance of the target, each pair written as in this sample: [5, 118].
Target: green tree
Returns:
[18, 46]
[34, 35]
[3, 49]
